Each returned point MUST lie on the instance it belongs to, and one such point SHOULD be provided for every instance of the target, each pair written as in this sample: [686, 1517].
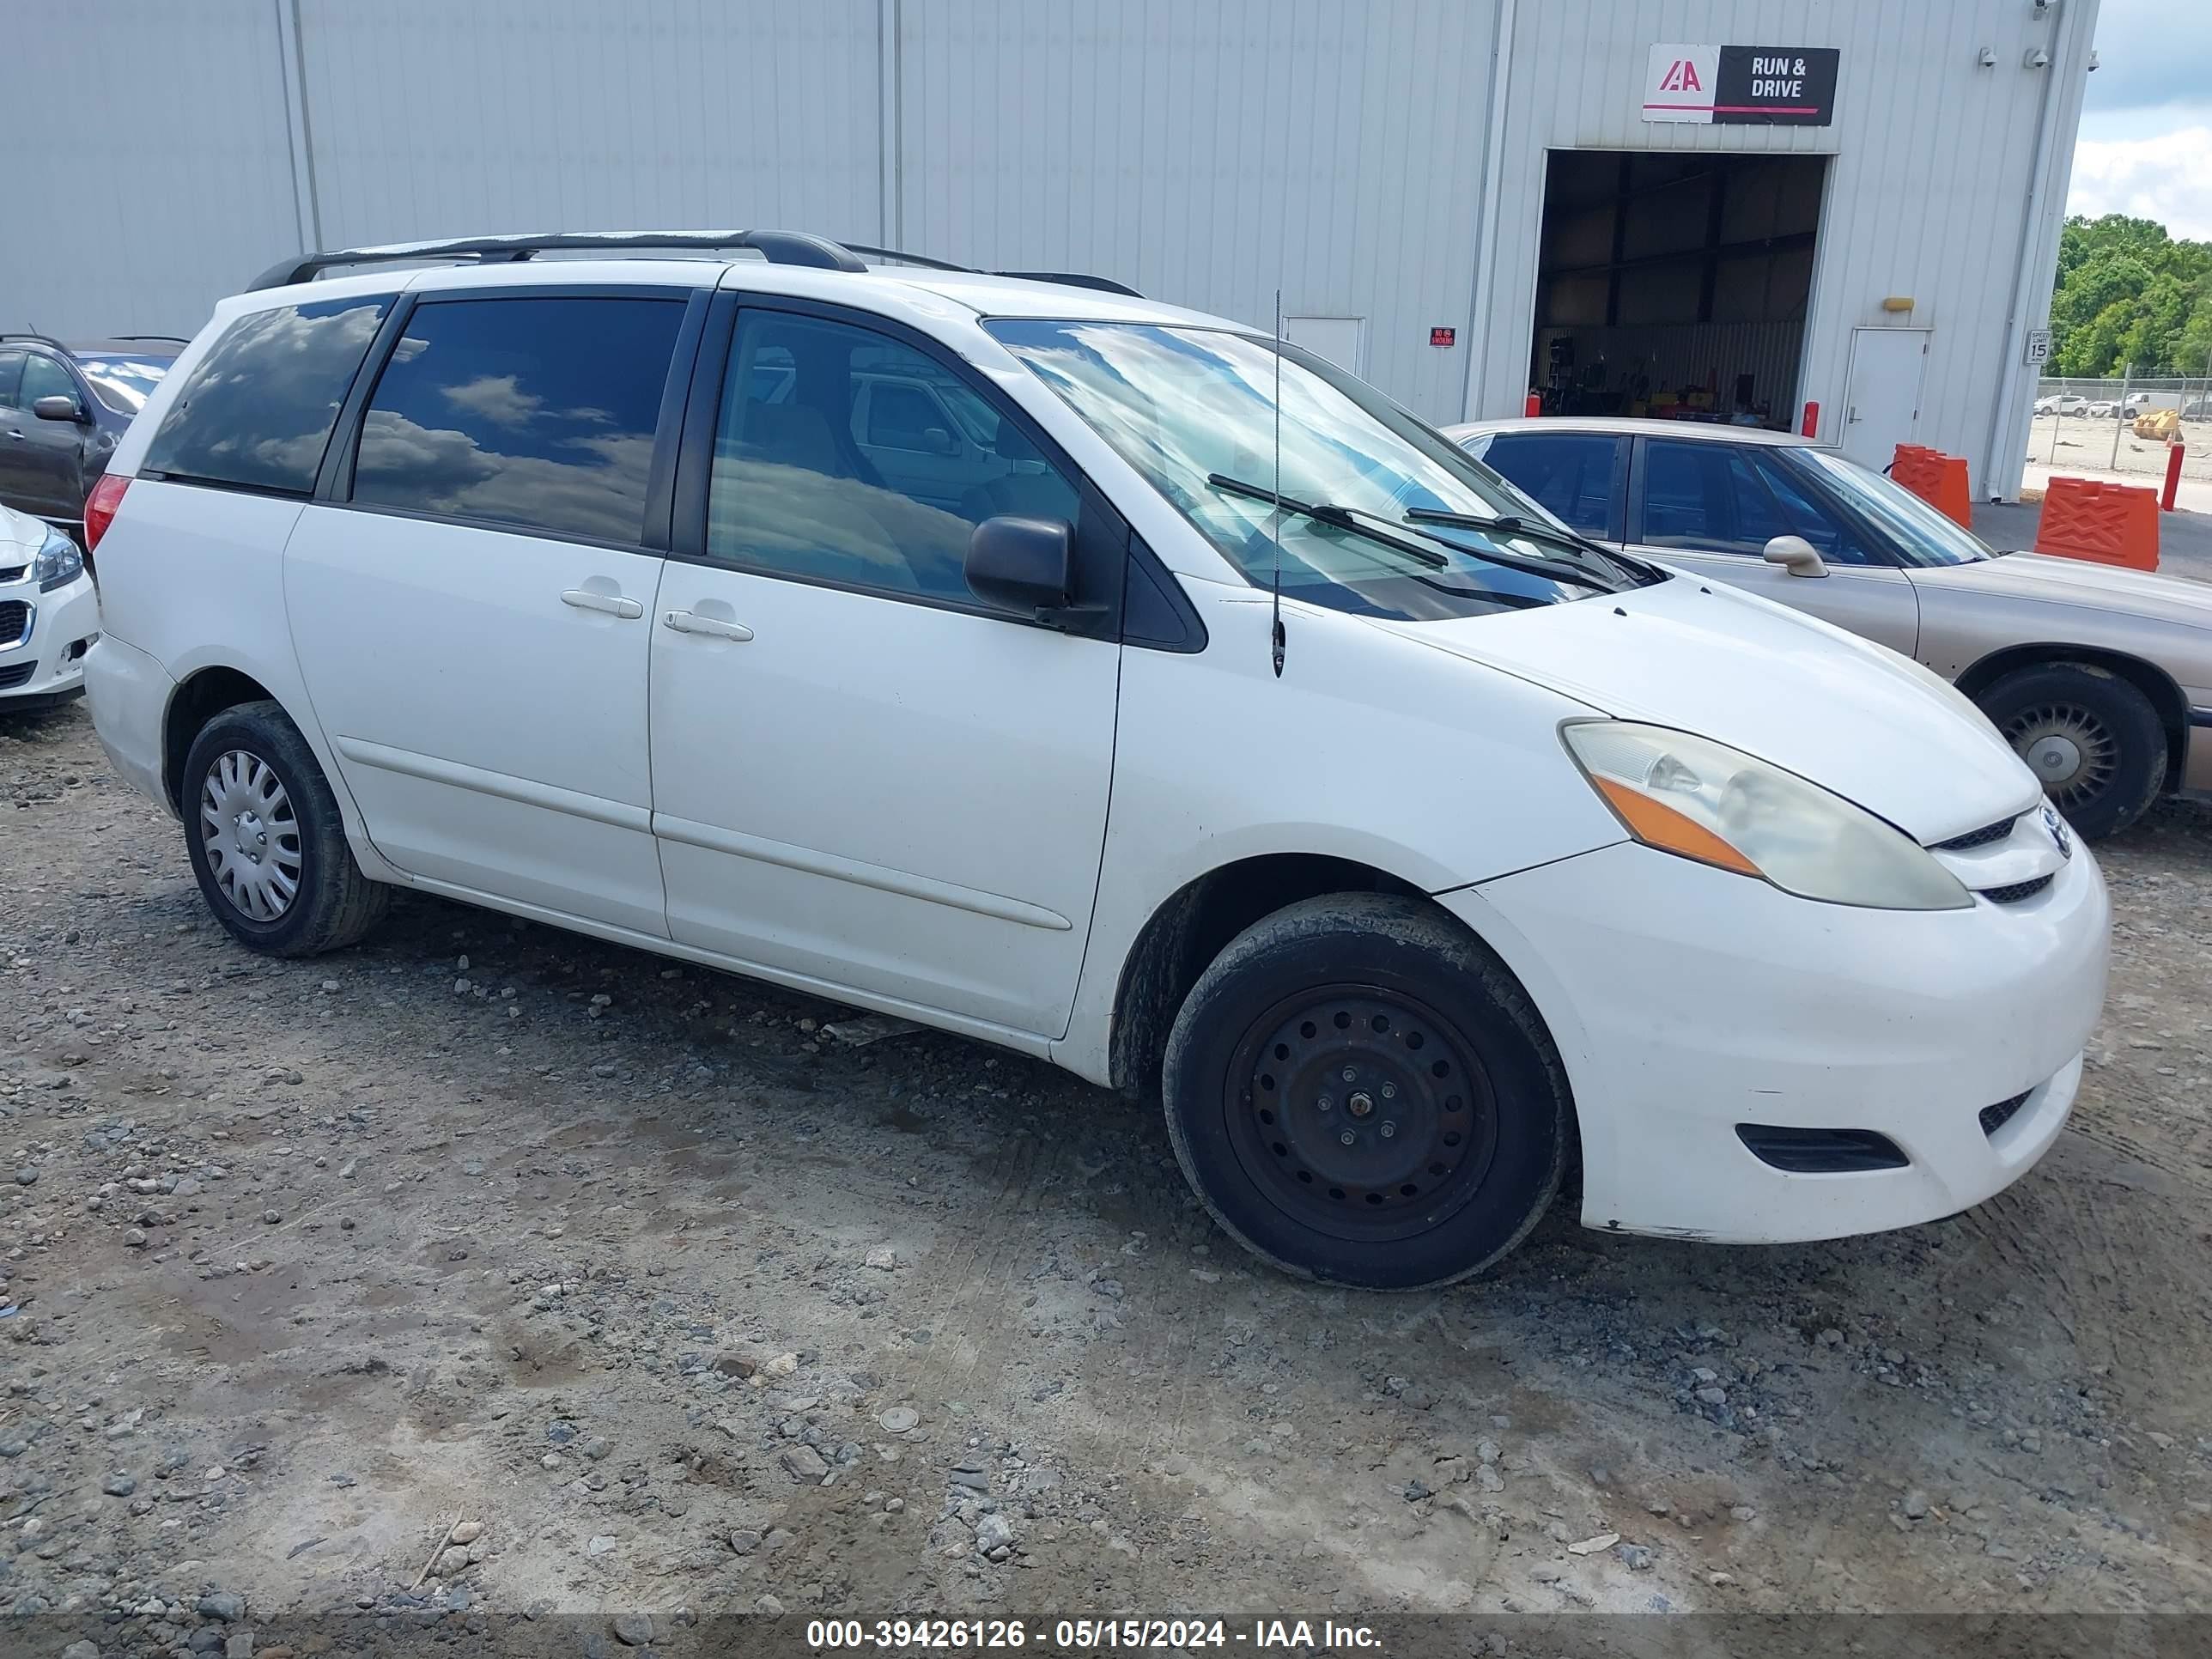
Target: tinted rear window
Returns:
[533, 412]
[258, 409]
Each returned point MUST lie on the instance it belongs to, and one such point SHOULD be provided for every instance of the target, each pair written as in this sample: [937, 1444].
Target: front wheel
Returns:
[267, 845]
[1360, 1092]
[2092, 739]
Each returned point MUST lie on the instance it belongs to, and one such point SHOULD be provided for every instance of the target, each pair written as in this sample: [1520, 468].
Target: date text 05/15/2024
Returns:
[1087, 1635]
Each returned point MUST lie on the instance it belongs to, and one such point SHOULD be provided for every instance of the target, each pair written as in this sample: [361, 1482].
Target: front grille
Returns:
[14, 618]
[1973, 838]
[1819, 1152]
[1994, 1118]
[12, 677]
[2017, 892]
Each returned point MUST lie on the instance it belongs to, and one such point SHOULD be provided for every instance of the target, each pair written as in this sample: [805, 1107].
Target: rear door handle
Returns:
[691, 622]
[612, 604]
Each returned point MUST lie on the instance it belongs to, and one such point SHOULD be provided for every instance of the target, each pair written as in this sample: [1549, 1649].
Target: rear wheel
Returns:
[267, 845]
[2091, 739]
[1360, 1092]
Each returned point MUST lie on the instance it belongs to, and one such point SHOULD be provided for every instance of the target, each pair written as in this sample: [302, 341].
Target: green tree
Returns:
[2127, 293]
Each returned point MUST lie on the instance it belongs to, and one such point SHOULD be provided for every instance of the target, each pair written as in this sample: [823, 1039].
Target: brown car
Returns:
[2100, 677]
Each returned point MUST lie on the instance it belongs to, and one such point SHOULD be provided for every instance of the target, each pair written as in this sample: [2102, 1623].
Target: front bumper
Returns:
[1685, 1000]
[45, 659]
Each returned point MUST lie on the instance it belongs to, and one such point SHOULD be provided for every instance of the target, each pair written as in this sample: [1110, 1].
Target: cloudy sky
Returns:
[2146, 143]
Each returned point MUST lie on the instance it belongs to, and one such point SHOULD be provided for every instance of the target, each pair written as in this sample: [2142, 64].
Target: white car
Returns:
[2062, 403]
[49, 615]
[1407, 852]
[2104, 408]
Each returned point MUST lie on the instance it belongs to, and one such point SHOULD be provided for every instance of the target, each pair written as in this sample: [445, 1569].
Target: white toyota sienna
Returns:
[1101, 680]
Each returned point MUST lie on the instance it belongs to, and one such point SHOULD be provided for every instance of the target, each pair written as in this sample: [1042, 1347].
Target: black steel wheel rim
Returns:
[1360, 1112]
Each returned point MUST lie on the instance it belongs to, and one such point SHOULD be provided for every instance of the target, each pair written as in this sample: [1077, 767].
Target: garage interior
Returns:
[1675, 284]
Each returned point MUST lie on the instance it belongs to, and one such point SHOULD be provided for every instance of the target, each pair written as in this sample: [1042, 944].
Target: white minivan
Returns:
[1193, 718]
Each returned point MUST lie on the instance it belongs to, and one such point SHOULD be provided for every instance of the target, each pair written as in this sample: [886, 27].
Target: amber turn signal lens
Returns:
[1657, 824]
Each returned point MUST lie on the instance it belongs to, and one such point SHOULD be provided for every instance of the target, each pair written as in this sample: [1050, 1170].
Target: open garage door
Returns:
[1675, 284]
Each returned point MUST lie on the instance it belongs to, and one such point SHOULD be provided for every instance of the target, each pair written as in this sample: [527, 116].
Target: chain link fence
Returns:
[2123, 425]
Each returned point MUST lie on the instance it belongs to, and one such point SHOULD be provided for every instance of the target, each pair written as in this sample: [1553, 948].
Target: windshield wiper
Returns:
[1328, 513]
[1507, 524]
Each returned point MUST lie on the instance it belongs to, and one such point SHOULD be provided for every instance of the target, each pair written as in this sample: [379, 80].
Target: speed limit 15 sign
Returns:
[2039, 346]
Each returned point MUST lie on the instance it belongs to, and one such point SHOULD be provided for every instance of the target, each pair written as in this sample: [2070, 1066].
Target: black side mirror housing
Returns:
[1026, 565]
[58, 407]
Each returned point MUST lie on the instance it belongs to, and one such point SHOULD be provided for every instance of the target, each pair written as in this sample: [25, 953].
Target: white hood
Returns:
[19, 531]
[1853, 717]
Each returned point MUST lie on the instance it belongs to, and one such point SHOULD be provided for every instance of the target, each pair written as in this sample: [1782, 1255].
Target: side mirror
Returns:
[58, 408]
[937, 442]
[1796, 555]
[1026, 565]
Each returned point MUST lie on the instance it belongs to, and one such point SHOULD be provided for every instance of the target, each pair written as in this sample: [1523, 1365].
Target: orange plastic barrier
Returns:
[1938, 479]
[2108, 524]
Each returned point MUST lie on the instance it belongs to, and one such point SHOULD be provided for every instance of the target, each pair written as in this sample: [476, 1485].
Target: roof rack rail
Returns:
[34, 334]
[779, 247]
[1074, 279]
[1065, 278]
[904, 257]
[165, 339]
[782, 248]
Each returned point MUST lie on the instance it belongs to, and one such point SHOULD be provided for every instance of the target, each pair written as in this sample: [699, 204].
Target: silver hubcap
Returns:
[2054, 758]
[2069, 749]
[250, 835]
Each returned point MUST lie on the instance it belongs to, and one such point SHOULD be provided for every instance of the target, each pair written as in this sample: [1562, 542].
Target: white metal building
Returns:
[1441, 189]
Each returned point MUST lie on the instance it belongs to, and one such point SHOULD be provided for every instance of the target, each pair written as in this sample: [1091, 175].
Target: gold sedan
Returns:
[2100, 677]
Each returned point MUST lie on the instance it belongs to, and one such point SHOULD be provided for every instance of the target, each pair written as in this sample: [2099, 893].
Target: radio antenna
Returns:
[1277, 526]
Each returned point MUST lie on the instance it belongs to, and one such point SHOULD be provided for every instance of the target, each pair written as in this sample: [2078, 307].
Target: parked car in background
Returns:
[584, 591]
[62, 410]
[2062, 403]
[49, 616]
[2197, 409]
[2101, 679]
[2106, 408]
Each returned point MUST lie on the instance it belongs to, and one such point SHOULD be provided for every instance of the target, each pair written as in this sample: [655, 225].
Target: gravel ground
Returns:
[673, 1297]
[2075, 443]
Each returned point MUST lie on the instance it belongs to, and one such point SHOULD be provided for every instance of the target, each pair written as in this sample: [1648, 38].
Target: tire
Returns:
[2091, 736]
[257, 812]
[1458, 1106]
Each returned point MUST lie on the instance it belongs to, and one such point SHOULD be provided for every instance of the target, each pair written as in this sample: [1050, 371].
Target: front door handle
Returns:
[612, 604]
[691, 622]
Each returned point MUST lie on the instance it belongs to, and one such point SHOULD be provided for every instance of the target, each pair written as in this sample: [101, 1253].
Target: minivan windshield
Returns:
[1192, 410]
[1920, 534]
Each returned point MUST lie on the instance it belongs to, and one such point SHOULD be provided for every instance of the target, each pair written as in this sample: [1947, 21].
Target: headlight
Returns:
[58, 562]
[1703, 800]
